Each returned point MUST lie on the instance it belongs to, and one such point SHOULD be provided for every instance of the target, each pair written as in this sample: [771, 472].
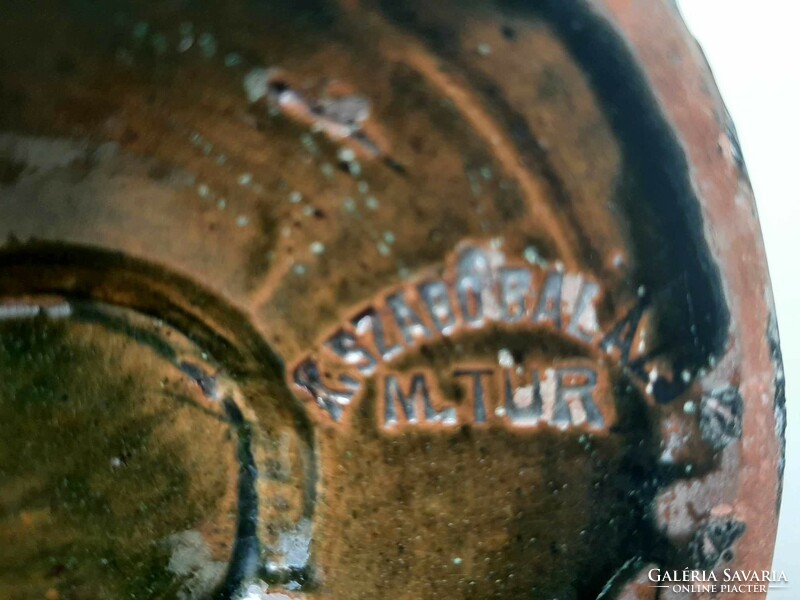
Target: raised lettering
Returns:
[514, 287]
[408, 321]
[370, 320]
[476, 388]
[437, 300]
[577, 382]
[418, 396]
[549, 306]
[589, 291]
[524, 405]
[307, 376]
[474, 276]
[346, 346]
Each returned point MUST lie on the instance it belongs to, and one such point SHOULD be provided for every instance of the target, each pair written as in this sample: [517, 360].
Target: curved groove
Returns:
[503, 149]
[655, 193]
[110, 277]
[662, 192]
[247, 547]
[407, 50]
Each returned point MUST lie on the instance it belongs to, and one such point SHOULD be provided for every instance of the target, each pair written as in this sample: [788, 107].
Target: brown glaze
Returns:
[260, 230]
[692, 104]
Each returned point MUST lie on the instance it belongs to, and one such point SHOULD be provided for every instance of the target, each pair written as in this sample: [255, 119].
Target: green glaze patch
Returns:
[99, 465]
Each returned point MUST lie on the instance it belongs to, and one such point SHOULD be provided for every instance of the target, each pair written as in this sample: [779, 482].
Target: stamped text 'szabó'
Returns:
[479, 288]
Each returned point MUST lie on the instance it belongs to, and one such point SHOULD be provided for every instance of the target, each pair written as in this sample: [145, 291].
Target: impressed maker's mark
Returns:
[479, 288]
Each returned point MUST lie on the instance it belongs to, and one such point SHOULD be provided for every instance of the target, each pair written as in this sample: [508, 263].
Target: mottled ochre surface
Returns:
[106, 452]
[246, 230]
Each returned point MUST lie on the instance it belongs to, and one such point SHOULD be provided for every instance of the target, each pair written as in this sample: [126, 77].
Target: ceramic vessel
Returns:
[366, 299]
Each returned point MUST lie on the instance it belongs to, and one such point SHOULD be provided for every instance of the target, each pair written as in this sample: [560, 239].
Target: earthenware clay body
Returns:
[370, 299]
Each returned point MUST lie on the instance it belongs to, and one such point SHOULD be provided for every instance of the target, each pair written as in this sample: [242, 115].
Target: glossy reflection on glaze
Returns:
[117, 472]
